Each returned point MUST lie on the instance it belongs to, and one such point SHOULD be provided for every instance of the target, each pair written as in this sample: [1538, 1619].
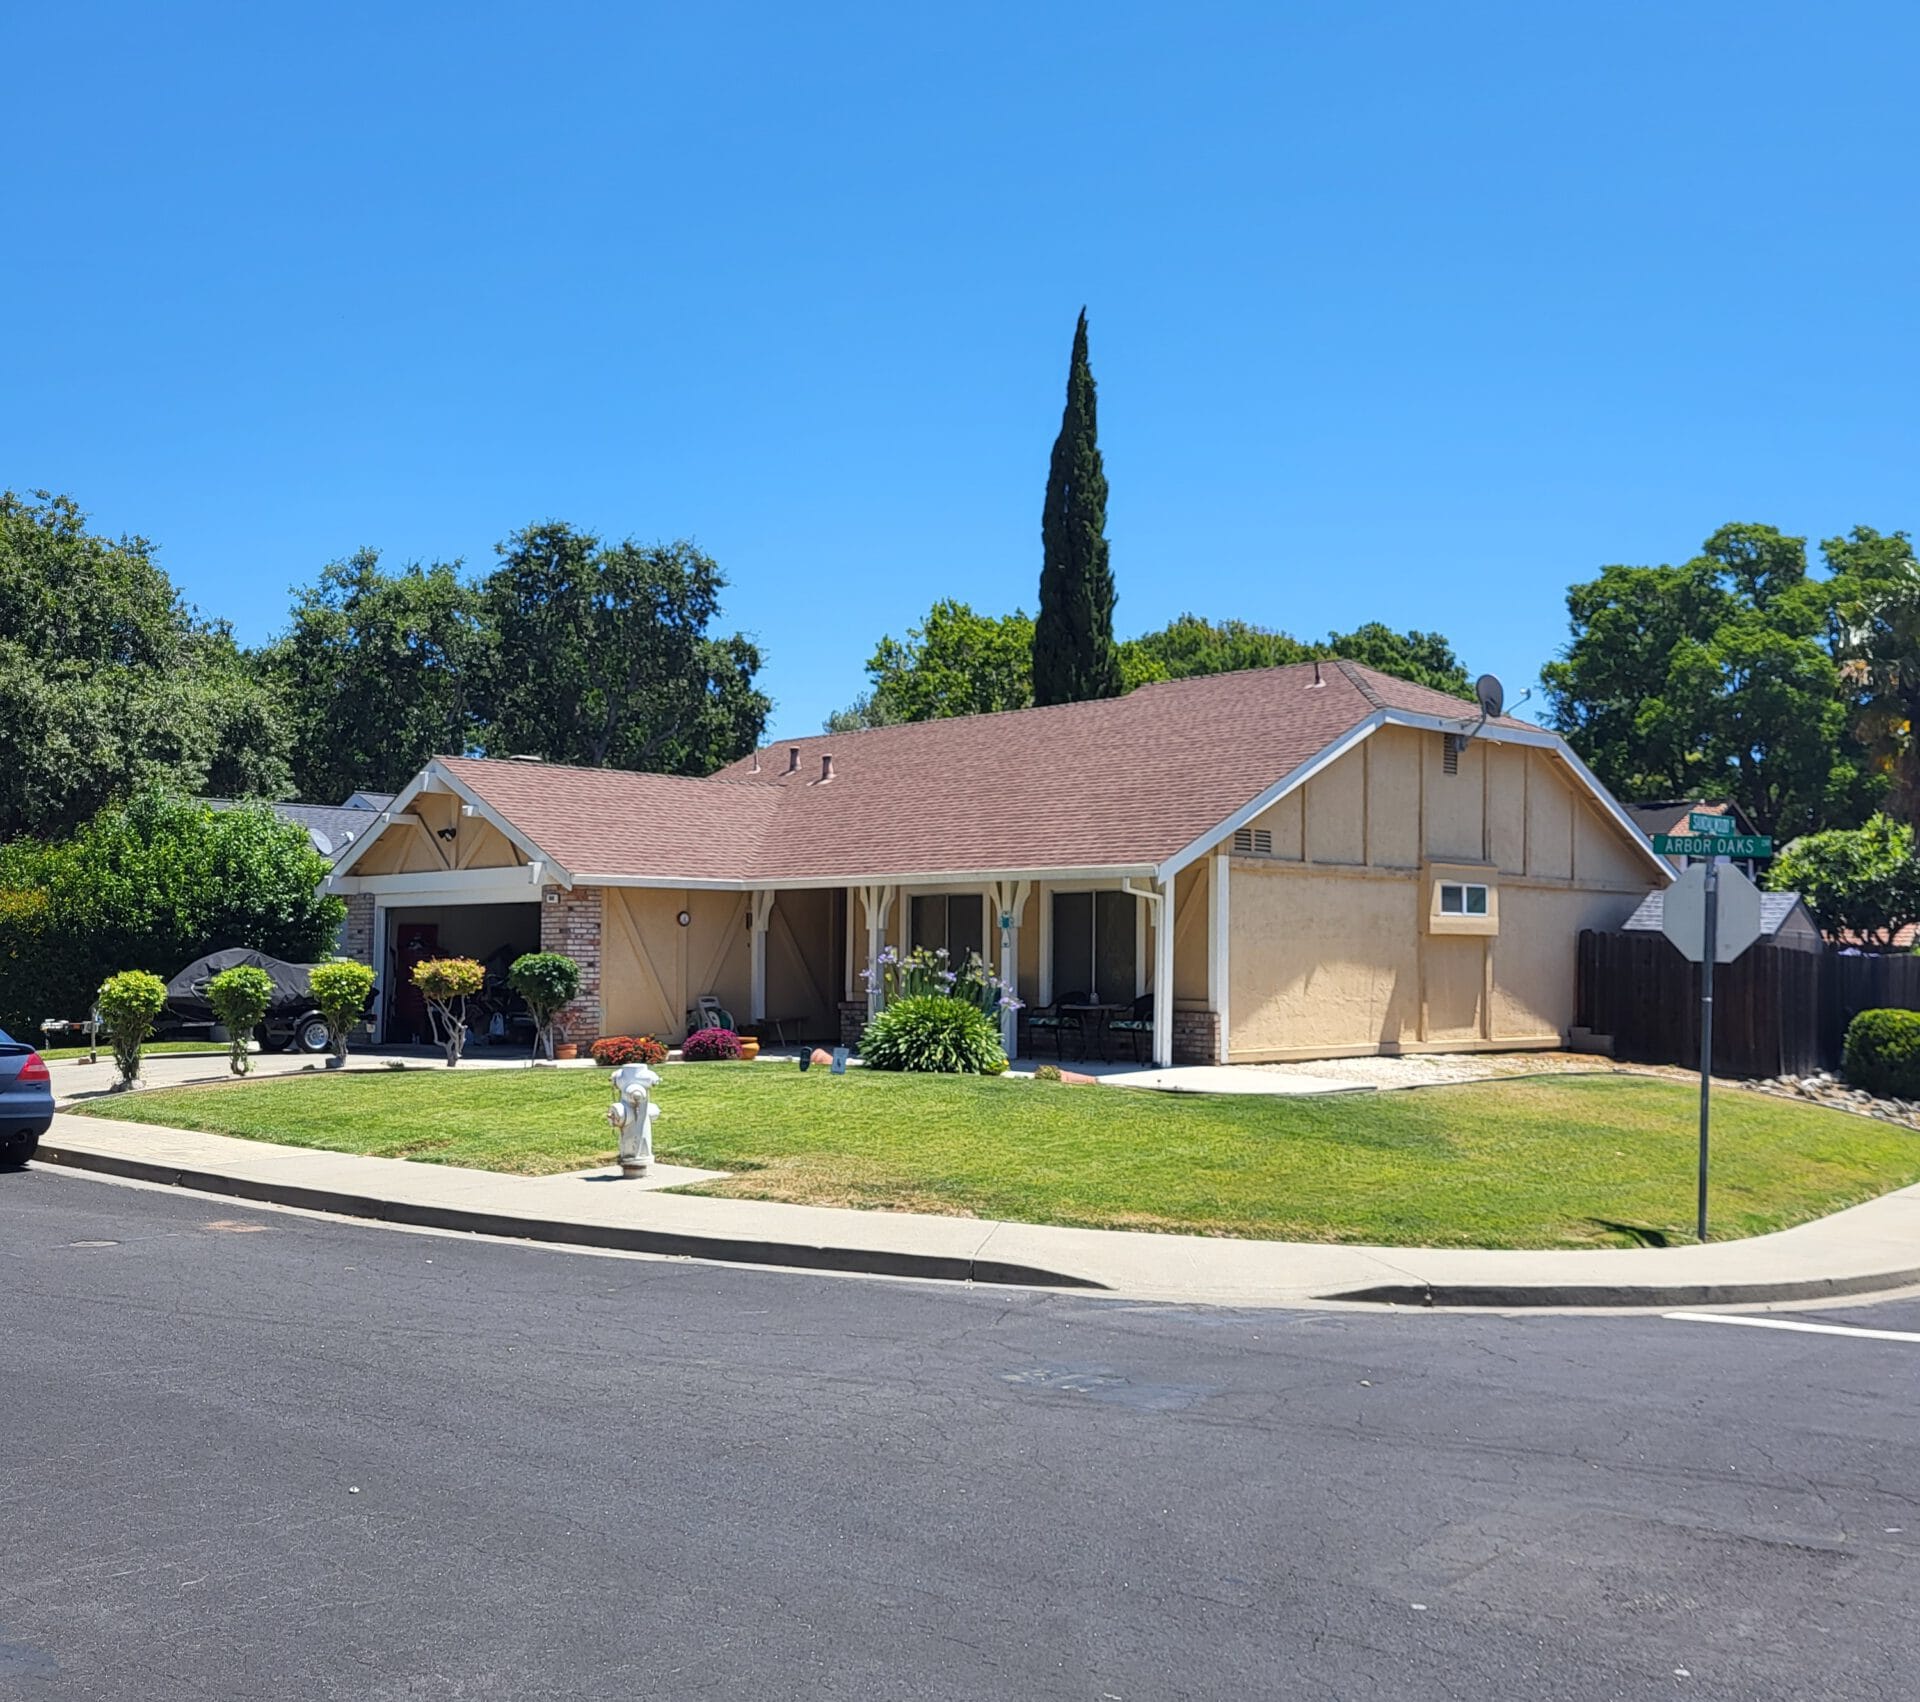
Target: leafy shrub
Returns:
[1047, 1072]
[447, 983]
[614, 1050]
[547, 980]
[341, 990]
[931, 1032]
[128, 1003]
[710, 1045]
[1882, 1053]
[240, 997]
[152, 884]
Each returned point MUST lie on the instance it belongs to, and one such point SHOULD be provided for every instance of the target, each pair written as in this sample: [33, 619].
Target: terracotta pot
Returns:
[749, 1047]
[564, 1050]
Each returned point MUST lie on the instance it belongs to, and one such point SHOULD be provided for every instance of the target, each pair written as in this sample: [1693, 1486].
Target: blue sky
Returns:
[1402, 312]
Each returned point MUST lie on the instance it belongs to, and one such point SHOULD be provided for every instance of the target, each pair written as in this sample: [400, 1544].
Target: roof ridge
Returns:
[1359, 684]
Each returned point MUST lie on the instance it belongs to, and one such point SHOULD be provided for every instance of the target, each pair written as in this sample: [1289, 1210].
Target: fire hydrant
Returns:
[631, 1114]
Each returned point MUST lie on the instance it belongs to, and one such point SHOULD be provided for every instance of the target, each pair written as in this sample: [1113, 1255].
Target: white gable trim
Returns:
[434, 778]
[1537, 737]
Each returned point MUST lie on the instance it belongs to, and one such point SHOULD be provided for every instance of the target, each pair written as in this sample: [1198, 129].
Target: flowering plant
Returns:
[923, 973]
[710, 1045]
[616, 1049]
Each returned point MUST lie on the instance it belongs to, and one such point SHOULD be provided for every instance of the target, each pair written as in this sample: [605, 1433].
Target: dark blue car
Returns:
[26, 1101]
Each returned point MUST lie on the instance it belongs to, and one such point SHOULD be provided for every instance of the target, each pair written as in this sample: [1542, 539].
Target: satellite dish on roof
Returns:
[1491, 693]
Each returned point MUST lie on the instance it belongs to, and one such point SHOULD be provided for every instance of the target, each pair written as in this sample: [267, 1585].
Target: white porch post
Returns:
[1218, 966]
[1163, 974]
[877, 901]
[759, 912]
[1009, 903]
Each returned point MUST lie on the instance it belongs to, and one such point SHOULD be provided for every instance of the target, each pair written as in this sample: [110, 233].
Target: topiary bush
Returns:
[447, 983]
[1882, 1053]
[930, 1032]
[548, 981]
[710, 1045]
[614, 1050]
[341, 990]
[240, 997]
[128, 1003]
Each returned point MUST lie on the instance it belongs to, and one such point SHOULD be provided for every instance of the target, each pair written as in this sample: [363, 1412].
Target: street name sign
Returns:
[1702, 821]
[1713, 845]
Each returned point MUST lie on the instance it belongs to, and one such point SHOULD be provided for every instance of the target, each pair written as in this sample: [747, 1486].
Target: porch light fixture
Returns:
[684, 918]
[446, 833]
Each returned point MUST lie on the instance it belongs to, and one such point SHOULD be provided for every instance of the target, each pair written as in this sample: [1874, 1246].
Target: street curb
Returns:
[859, 1261]
[1519, 1298]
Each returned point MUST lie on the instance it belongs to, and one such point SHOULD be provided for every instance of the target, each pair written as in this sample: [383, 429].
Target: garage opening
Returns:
[493, 935]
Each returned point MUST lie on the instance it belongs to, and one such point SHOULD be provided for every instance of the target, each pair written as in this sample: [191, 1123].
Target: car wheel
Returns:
[310, 1034]
[16, 1149]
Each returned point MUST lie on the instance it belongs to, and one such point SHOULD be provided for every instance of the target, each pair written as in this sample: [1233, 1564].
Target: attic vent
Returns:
[1253, 842]
[1450, 759]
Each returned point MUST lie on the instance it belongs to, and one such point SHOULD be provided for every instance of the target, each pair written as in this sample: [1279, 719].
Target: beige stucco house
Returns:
[1309, 861]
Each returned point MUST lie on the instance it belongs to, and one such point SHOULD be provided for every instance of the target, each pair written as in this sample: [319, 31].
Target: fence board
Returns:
[1776, 1011]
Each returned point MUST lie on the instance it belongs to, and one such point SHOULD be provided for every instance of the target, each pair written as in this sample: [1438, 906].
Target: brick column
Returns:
[1196, 1037]
[356, 935]
[572, 926]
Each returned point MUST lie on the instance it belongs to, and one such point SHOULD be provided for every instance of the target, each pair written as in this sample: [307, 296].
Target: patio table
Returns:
[1093, 1020]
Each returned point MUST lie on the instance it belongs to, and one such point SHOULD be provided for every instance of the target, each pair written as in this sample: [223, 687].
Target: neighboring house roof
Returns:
[1135, 783]
[1775, 909]
[330, 827]
[369, 800]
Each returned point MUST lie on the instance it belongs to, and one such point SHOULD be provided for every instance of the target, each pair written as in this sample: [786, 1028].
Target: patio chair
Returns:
[1054, 1020]
[1138, 1024]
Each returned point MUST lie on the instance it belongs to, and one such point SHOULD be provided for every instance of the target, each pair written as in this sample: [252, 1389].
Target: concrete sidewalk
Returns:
[1872, 1248]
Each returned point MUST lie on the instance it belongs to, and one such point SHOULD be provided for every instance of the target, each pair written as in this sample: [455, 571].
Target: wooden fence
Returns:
[1775, 1011]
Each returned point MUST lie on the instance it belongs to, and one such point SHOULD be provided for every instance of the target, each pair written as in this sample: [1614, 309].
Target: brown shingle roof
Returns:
[1126, 781]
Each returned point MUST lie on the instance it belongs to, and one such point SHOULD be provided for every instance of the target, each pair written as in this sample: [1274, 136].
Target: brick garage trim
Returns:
[572, 924]
[356, 934]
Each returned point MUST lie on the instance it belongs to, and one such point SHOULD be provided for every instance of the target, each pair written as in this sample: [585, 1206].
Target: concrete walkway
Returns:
[1872, 1248]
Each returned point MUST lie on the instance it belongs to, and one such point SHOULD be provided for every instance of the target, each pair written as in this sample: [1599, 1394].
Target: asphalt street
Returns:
[252, 1454]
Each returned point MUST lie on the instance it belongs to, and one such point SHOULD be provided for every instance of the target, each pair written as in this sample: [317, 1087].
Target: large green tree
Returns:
[108, 681]
[376, 669]
[1863, 883]
[600, 655]
[1876, 601]
[152, 884]
[1074, 654]
[1713, 678]
[1189, 645]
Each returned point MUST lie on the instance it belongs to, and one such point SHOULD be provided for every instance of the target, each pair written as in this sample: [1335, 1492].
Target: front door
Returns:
[414, 943]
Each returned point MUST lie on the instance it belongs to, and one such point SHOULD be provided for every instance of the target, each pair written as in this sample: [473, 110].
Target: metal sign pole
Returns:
[1710, 951]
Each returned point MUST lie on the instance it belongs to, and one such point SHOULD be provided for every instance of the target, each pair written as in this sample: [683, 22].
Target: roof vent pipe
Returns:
[826, 765]
[756, 761]
[793, 759]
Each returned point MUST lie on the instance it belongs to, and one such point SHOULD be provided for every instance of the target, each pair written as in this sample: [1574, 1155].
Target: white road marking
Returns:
[1790, 1324]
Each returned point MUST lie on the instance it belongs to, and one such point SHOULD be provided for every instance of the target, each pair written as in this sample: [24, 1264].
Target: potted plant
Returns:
[129, 1002]
[749, 1047]
[239, 997]
[341, 990]
[548, 981]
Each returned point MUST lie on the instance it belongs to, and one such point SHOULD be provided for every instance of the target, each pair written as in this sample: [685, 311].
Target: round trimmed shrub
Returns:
[128, 1003]
[548, 981]
[614, 1050]
[932, 1033]
[341, 989]
[1882, 1053]
[239, 997]
[710, 1046]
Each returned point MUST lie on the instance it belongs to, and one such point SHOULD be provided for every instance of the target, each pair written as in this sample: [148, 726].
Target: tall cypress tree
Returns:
[1074, 655]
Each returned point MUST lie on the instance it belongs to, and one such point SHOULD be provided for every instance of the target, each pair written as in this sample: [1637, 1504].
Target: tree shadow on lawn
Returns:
[1640, 1234]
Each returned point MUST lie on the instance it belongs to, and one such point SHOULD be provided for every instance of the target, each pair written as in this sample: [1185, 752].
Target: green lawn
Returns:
[1603, 1160]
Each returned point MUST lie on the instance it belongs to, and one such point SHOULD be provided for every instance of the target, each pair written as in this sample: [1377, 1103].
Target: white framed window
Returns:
[1462, 898]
